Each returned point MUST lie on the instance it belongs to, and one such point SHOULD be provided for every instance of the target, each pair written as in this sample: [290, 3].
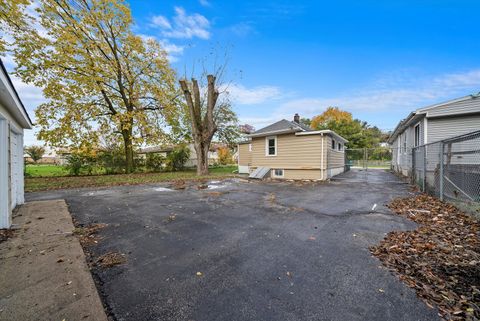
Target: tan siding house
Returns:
[293, 151]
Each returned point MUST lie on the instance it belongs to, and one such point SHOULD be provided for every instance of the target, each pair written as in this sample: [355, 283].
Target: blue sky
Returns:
[377, 59]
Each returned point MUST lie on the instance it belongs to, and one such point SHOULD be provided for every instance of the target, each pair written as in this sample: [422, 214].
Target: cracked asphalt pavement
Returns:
[263, 250]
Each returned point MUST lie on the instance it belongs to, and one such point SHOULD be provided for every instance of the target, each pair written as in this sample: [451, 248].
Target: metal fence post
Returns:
[424, 168]
[441, 170]
[414, 167]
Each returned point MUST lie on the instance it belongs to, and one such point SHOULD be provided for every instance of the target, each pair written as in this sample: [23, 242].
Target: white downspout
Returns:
[321, 159]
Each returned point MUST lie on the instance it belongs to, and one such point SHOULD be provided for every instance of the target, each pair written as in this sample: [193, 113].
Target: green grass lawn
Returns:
[41, 170]
[35, 184]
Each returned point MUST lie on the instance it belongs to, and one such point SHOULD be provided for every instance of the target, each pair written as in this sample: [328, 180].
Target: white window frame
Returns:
[333, 144]
[340, 147]
[278, 169]
[266, 146]
[249, 147]
[416, 138]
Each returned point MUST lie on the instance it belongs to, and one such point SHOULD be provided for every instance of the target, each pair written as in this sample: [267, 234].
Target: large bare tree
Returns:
[202, 117]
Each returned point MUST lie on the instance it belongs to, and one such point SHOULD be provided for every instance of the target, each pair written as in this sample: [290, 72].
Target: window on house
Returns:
[340, 146]
[249, 147]
[333, 144]
[278, 172]
[271, 148]
[404, 142]
[417, 135]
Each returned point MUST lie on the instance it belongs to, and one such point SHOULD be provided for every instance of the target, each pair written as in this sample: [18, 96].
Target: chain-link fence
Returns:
[450, 170]
[365, 158]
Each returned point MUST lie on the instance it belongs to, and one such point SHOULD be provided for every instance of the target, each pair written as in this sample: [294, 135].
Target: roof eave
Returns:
[323, 132]
[273, 132]
[20, 112]
[404, 124]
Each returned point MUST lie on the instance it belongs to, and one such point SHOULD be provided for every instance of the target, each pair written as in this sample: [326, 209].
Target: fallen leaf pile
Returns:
[110, 259]
[5, 234]
[88, 234]
[440, 259]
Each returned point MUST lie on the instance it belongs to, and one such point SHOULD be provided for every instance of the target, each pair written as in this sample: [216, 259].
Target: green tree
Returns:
[306, 121]
[100, 79]
[35, 152]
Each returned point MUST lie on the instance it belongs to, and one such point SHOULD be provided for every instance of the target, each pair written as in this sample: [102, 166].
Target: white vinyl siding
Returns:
[5, 218]
[403, 144]
[443, 128]
[469, 106]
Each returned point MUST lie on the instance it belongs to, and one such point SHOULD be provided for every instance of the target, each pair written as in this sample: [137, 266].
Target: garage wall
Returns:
[11, 166]
[5, 218]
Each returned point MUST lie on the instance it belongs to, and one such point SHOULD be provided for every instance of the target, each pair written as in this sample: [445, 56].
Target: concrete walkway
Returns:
[43, 272]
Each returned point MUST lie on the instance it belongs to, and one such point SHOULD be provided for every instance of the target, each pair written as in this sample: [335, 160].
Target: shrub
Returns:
[154, 162]
[224, 156]
[74, 163]
[112, 160]
[177, 158]
[139, 163]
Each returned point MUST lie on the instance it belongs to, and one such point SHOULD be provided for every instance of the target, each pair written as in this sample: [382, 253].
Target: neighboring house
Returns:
[291, 150]
[192, 161]
[13, 120]
[431, 124]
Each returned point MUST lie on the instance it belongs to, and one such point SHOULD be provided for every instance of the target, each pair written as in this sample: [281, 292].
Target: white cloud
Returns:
[205, 3]
[162, 22]
[419, 93]
[460, 80]
[173, 50]
[242, 29]
[251, 96]
[183, 25]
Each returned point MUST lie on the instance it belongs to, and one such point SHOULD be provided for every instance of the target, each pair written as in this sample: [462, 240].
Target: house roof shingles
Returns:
[282, 125]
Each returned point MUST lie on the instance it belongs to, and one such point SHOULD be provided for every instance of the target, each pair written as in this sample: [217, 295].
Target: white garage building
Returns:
[13, 120]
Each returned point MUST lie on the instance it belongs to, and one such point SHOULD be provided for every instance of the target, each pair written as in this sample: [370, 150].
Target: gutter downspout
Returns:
[321, 159]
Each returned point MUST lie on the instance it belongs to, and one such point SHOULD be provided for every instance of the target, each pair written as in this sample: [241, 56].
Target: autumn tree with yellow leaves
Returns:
[102, 82]
[358, 133]
[331, 114]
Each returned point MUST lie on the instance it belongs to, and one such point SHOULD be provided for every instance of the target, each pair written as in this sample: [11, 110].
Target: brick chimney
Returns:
[296, 118]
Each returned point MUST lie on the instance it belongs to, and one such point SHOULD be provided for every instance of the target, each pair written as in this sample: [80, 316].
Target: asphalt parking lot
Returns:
[264, 250]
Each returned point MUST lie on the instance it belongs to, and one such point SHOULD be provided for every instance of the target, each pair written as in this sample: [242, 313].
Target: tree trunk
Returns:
[127, 141]
[202, 158]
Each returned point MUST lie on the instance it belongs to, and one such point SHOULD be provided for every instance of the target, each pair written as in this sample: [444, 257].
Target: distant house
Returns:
[430, 124]
[192, 161]
[49, 157]
[13, 120]
[291, 150]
